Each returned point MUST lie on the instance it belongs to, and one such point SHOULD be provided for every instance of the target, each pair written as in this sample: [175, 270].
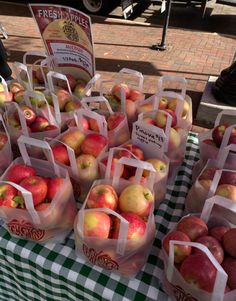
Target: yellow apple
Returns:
[173, 103]
[74, 139]
[159, 166]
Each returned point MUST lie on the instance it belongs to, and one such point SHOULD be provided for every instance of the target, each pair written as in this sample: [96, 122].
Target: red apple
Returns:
[229, 265]
[227, 190]
[97, 224]
[18, 172]
[85, 124]
[136, 230]
[213, 245]
[102, 196]
[143, 180]
[161, 118]
[63, 97]
[136, 95]
[87, 167]
[208, 173]
[54, 185]
[93, 144]
[7, 195]
[93, 125]
[193, 226]
[42, 207]
[134, 149]
[72, 105]
[37, 186]
[3, 140]
[130, 109]
[113, 165]
[205, 183]
[116, 90]
[228, 177]
[39, 124]
[137, 199]
[71, 79]
[50, 127]
[73, 138]
[209, 141]
[28, 113]
[218, 133]
[39, 74]
[60, 154]
[218, 232]
[229, 242]
[114, 120]
[149, 120]
[199, 272]
[180, 251]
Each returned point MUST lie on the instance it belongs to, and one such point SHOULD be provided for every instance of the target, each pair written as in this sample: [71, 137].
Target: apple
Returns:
[72, 105]
[136, 95]
[147, 107]
[93, 144]
[5, 98]
[79, 89]
[174, 139]
[180, 251]
[173, 103]
[39, 74]
[227, 190]
[161, 118]
[228, 177]
[205, 183]
[74, 138]
[71, 80]
[163, 103]
[16, 173]
[50, 127]
[3, 140]
[159, 166]
[134, 149]
[15, 87]
[199, 272]
[28, 113]
[85, 124]
[87, 167]
[60, 154]
[39, 124]
[130, 108]
[229, 265]
[193, 226]
[113, 165]
[63, 97]
[218, 133]
[42, 207]
[37, 186]
[209, 141]
[93, 125]
[213, 245]
[229, 242]
[208, 173]
[136, 229]
[114, 120]
[218, 232]
[97, 224]
[116, 90]
[7, 195]
[137, 199]
[36, 101]
[114, 103]
[19, 96]
[53, 186]
[143, 180]
[149, 120]
[102, 196]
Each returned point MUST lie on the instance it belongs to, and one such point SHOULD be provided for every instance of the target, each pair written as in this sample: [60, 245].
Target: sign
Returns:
[67, 35]
[127, 7]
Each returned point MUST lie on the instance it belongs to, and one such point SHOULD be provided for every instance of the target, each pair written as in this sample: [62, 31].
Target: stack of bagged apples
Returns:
[200, 254]
[115, 227]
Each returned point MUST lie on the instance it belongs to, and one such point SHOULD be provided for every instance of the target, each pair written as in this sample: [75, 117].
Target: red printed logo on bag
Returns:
[180, 294]
[101, 259]
[25, 230]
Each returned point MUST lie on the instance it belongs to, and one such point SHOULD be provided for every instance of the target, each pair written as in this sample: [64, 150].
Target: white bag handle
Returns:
[221, 276]
[140, 165]
[180, 80]
[27, 195]
[216, 200]
[101, 121]
[97, 99]
[32, 53]
[5, 87]
[222, 113]
[123, 232]
[91, 83]
[223, 155]
[51, 75]
[17, 68]
[23, 140]
[135, 73]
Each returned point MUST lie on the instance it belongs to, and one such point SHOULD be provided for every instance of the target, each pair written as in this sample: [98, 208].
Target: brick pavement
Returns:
[117, 43]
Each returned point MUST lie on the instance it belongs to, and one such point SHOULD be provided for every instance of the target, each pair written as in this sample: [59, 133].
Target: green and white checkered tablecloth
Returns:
[30, 271]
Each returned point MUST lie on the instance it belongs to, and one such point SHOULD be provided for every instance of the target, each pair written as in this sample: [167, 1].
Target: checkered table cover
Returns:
[31, 271]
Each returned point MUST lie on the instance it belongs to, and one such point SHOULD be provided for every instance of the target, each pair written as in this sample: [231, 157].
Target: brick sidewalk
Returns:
[193, 54]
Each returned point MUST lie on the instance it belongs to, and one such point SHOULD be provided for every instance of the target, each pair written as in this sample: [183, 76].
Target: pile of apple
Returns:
[87, 147]
[133, 203]
[217, 135]
[194, 265]
[43, 189]
[34, 122]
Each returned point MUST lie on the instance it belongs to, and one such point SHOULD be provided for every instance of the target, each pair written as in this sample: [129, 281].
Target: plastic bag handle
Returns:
[99, 99]
[53, 74]
[216, 200]
[181, 80]
[123, 232]
[134, 73]
[91, 83]
[16, 66]
[5, 87]
[32, 53]
[223, 154]
[221, 276]
[27, 195]
[23, 140]
[222, 113]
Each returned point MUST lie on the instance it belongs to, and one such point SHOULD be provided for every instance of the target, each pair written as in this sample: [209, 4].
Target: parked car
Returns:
[99, 7]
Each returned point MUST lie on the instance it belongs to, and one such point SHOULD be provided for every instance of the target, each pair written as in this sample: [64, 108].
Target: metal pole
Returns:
[162, 45]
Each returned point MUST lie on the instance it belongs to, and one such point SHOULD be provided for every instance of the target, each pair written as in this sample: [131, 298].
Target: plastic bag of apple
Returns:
[217, 177]
[6, 155]
[78, 150]
[69, 93]
[200, 255]
[116, 123]
[131, 149]
[37, 201]
[115, 226]
[124, 92]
